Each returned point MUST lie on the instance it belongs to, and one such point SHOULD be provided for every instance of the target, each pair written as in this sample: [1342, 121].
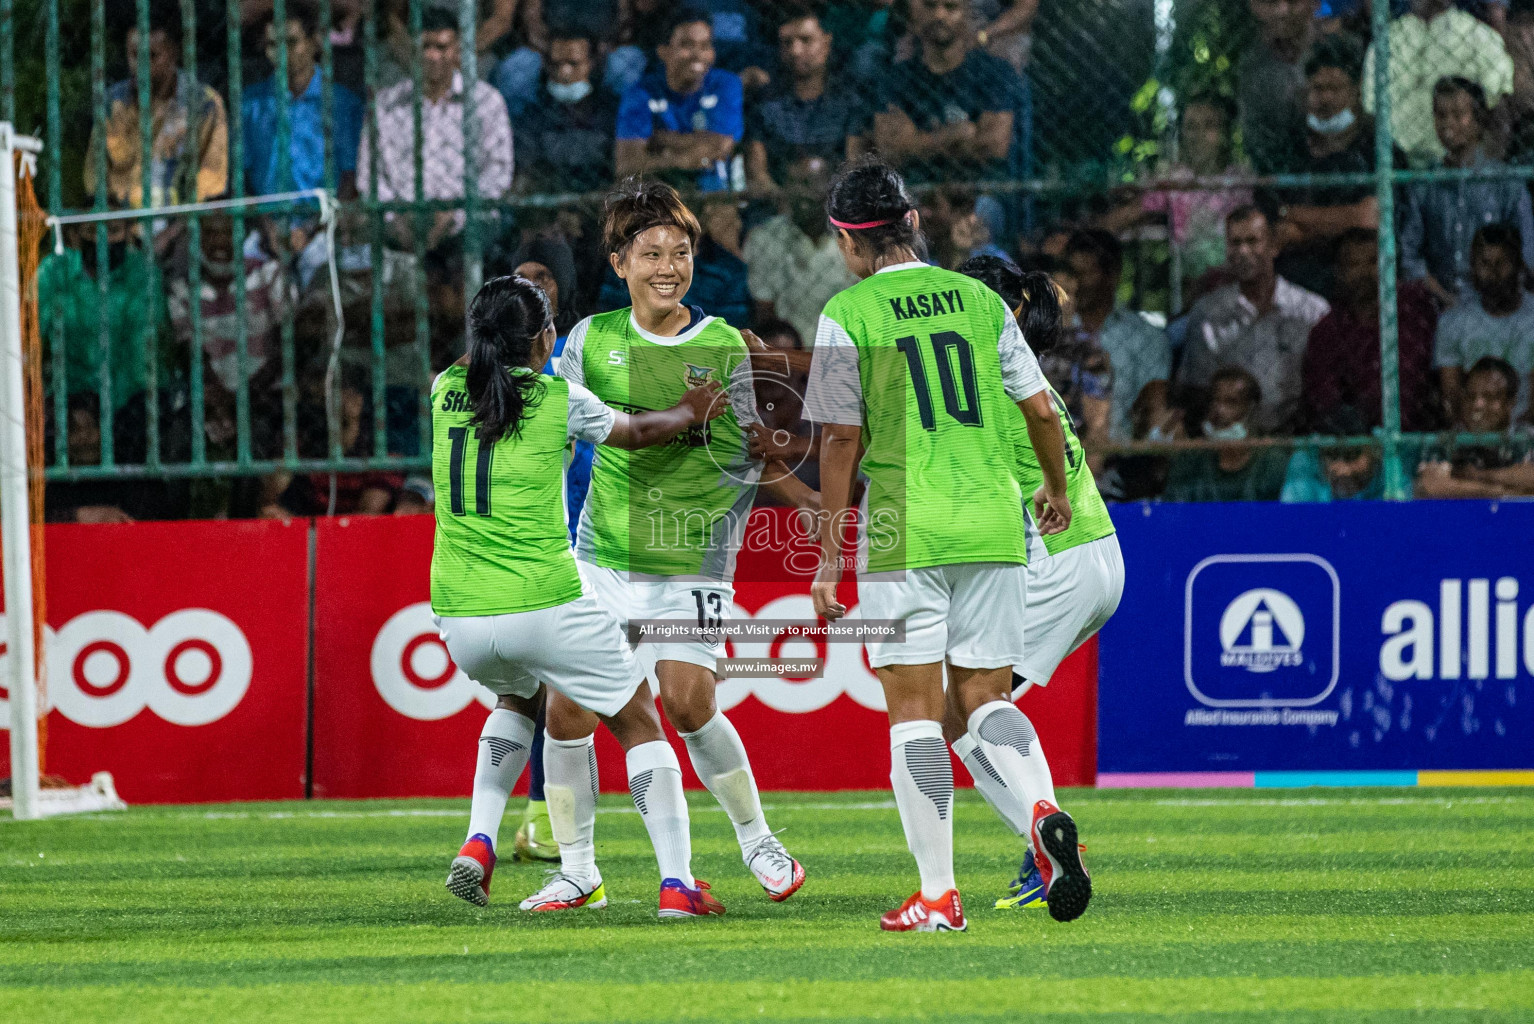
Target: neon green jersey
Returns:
[1089, 514]
[675, 509]
[931, 365]
[501, 543]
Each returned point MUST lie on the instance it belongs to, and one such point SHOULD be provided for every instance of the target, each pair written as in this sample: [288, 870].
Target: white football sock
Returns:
[720, 760]
[988, 781]
[570, 788]
[655, 782]
[1012, 747]
[504, 744]
[922, 778]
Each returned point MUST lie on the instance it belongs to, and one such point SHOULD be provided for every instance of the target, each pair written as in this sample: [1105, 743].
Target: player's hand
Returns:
[823, 593]
[706, 401]
[756, 345]
[1051, 512]
[766, 445]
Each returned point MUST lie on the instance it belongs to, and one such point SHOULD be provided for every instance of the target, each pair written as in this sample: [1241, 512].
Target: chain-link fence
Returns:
[1204, 177]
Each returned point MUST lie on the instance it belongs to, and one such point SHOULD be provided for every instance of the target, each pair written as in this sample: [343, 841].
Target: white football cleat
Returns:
[777, 872]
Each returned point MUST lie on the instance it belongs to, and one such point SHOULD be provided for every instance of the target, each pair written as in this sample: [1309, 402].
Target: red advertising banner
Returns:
[176, 658]
[394, 717]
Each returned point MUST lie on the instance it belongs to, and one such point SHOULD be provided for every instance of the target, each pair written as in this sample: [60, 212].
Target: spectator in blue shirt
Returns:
[306, 121]
[683, 121]
[1441, 217]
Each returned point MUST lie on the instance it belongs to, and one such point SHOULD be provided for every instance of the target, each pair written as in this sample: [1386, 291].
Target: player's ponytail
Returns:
[869, 201]
[505, 320]
[1041, 318]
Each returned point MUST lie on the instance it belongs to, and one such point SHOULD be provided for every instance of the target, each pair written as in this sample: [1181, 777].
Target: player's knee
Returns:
[565, 720]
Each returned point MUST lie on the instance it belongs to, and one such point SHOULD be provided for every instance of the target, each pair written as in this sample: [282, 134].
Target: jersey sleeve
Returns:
[572, 365]
[835, 392]
[589, 418]
[1020, 372]
[742, 392]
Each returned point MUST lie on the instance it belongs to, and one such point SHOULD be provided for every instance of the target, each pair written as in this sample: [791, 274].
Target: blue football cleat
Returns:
[1026, 890]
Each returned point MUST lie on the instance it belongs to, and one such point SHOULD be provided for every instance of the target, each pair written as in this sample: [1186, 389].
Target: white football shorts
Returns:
[970, 614]
[575, 647]
[690, 602]
[1070, 596]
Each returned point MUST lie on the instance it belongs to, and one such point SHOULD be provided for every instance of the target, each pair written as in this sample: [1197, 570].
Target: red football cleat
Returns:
[1067, 886]
[944, 914]
[676, 900]
[469, 877]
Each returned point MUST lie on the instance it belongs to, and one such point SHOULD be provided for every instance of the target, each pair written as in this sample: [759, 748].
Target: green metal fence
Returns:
[1087, 125]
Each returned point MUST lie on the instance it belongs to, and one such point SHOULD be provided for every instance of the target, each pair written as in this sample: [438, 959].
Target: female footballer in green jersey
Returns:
[658, 535]
[926, 370]
[505, 591]
[1074, 585]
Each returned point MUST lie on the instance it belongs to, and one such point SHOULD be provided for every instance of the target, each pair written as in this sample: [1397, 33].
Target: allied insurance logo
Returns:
[1262, 631]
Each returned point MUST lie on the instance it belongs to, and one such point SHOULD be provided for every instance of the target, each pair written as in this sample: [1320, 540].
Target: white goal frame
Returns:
[15, 515]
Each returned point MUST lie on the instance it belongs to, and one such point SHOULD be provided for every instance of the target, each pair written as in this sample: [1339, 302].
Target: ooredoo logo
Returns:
[190, 668]
[413, 672]
[846, 672]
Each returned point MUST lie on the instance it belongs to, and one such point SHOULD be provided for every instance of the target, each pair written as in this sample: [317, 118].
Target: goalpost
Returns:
[15, 507]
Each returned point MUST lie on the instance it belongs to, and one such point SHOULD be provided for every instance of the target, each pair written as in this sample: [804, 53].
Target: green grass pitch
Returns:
[1259, 905]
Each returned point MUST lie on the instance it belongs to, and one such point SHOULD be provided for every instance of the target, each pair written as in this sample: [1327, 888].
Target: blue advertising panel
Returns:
[1356, 636]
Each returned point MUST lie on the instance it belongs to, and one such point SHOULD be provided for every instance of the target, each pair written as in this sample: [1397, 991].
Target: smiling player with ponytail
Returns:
[505, 592]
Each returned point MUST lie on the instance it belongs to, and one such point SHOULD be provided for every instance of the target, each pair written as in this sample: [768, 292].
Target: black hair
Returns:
[572, 33]
[305, 12]
[1103, 246]
[438, 19]
[1033, 293]
[505, 319]
[1242, 376]
[1336, 50]
[164, 16]
[797, 10]
[776, 328]
[1357, 236]
[635, 205]
[1503, 236]
[1499, 366]
[1042, 319]
[1451, 84]
[871, 190]
[1245, 212]
[683, 15]
[997, 273]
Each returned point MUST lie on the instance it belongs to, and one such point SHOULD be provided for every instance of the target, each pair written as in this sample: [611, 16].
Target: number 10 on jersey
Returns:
[961, 390]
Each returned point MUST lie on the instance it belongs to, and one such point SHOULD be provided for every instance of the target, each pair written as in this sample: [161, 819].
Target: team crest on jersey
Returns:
[697, 376]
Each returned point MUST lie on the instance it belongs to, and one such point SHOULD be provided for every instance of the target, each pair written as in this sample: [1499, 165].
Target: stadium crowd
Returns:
[749, 106]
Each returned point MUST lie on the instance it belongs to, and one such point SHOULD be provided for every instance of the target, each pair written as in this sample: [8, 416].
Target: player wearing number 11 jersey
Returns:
[927, 370]
[505, 592]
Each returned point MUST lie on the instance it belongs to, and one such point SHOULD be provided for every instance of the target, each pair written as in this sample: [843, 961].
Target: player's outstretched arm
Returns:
[838, 467]
[1051, 507]
[641, 430]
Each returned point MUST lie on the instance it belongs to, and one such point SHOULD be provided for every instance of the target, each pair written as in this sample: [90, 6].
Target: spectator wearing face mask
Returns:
[1483, 471]
[1440, 218]
[1235, 472]
[1336, 139]
[565, 136]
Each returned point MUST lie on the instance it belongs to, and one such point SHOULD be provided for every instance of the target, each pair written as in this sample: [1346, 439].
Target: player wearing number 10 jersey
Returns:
[927, 370]
[505, 592]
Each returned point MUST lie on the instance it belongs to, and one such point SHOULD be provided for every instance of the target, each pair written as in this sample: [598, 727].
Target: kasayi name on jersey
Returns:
[923, 304]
